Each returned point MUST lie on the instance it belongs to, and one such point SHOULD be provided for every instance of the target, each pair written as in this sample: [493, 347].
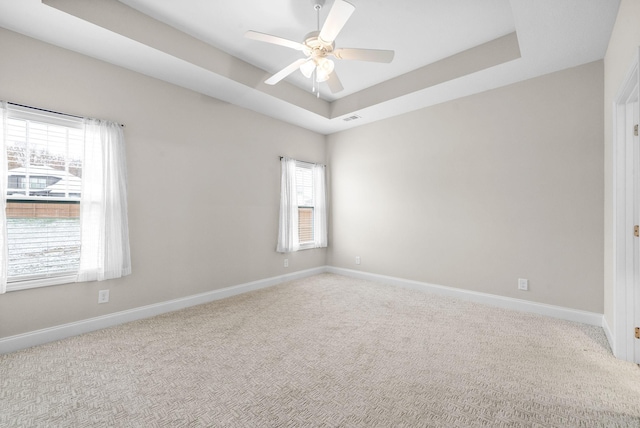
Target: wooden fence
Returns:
[42, 210]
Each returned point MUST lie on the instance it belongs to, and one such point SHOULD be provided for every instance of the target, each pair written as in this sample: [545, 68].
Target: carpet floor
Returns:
[325, 351]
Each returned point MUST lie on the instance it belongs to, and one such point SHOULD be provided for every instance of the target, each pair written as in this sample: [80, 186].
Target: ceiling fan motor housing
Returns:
[315, 47]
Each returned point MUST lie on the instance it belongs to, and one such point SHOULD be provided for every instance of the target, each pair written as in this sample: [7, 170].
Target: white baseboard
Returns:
[560, 312]
[39, 337]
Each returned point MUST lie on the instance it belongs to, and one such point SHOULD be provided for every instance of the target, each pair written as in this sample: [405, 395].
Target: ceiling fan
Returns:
[318, 45]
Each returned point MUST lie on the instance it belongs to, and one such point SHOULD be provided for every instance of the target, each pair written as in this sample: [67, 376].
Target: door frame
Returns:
[626, 260]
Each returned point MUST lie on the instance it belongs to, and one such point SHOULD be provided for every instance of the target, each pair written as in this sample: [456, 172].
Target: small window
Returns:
[304, 192]
[303, 211]
[44, 154]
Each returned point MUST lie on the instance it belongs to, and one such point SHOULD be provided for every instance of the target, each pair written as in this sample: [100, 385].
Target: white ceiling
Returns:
[445, 49]
[375, 24]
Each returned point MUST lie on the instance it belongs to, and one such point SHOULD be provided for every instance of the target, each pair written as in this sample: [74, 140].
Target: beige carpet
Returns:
[326, 351]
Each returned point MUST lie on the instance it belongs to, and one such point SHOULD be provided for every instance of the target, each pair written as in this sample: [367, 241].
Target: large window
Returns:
[44, 163]
[63, 215]
[303, 218]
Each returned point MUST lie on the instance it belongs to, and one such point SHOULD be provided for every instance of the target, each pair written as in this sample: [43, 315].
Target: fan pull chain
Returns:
[313, 81]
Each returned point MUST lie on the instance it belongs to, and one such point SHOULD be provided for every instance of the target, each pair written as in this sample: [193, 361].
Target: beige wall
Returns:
[474, 193]
[623, 46]
[219, 161]
[478, 192]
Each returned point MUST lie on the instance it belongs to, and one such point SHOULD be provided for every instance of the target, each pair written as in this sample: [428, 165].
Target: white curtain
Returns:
[320, 207]
[4, 250]
[288, 226]
[104, 228]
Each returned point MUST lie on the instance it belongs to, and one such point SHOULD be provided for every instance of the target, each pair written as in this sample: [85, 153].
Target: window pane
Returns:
[305, 224]
[46, 156]
[43, 238]
[304, 184]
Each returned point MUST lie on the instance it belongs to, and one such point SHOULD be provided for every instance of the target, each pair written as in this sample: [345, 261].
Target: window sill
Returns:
[40, 282]
[310, 246]
[307, 246]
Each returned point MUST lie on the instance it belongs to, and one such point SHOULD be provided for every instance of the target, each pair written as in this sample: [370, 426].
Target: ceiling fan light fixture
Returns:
[324, 69]
[307, 68]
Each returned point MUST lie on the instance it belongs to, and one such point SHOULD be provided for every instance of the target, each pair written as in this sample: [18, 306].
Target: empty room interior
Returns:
[465, 256]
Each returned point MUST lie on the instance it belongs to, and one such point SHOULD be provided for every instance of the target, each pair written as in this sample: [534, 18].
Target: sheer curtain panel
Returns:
[288, 240]
[320, 209]
[104, 228]
[4, 250]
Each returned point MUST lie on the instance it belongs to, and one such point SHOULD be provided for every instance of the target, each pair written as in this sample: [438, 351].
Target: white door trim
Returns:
[624, 195]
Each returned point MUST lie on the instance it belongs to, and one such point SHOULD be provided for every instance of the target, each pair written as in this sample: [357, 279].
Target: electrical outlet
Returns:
[523, 284]
[286, 262]
[357, 260]
[103, 296]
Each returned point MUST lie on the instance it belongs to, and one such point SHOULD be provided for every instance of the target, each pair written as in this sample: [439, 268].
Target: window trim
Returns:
[25, 284]
[16, 111]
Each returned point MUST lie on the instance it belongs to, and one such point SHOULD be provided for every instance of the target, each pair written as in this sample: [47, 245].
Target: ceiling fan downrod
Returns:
[317, 5]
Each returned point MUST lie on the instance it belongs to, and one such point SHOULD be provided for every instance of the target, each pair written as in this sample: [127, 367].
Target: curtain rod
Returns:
[53, 111]
[311, 163]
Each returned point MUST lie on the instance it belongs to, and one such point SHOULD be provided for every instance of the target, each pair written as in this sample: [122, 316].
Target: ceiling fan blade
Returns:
[374, 55]
[334, 83]
[262, 37]
[285, 71]
[337, 17]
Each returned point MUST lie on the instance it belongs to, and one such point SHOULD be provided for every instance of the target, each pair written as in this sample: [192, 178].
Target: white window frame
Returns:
[306, 245]
[25, 113]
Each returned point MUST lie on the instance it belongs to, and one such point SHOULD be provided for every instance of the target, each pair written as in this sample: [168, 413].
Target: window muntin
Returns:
[44, 154]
